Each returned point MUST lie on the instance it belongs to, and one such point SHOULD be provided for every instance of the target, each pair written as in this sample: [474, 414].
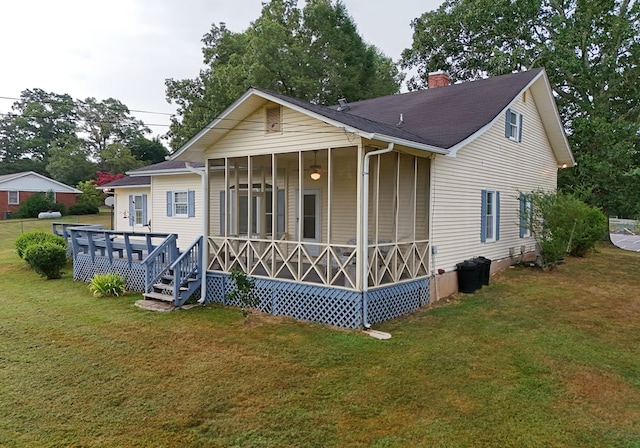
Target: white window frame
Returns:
[16, 201]
[514, 128]
[490, 217]
[138, 210]
[184, 203]
[259, 211]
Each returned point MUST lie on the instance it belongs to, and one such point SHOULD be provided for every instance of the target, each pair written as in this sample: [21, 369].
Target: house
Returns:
[355, 214]
[16, 188]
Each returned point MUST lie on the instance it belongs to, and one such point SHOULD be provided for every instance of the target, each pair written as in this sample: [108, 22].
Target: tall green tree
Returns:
[591, 51]
[39, 121]
[148, 151]
[70, 164]
[315, 54]
[106, 122]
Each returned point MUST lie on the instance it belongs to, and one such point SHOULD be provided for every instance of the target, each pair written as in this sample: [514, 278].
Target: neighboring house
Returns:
[16, 188]
[356, 214]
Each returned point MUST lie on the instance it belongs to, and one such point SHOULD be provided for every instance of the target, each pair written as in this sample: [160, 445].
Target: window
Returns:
[138, 210]
[181, 204]
[513, 125]
[13, 198]
[490, 216]
[526, 215]
[273, 120]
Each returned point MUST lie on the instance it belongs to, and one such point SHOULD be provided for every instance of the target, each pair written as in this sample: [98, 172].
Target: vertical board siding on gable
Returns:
[490, 162]
[188, 229]
[298, 132]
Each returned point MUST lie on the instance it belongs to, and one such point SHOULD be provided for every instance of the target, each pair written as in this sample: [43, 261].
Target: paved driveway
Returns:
[627, 242]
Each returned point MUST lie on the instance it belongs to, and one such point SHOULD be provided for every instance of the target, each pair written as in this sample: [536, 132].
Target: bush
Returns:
[37, 237]
[46, 258]
[39, 202]
[83, 209]
[561, 223]
[108, 285]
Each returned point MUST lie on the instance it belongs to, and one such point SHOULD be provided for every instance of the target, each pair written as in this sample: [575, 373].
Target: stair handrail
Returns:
[159, 260]
[188, 263]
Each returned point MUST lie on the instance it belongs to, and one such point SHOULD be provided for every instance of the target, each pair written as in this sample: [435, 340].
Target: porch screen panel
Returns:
[217, 198]
[387, 200]
[344, 196]
[422, 199]
[406, 195]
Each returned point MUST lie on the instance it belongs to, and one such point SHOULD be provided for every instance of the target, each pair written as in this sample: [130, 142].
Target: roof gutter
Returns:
[205, 226]
[364, 232]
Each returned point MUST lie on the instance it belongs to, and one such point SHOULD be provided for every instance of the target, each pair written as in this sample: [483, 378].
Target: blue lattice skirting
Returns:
[84, 268]
[331, 306]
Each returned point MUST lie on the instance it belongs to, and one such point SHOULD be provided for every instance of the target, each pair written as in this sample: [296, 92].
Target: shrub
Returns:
[46, 258]
[37, 237]
[244, 292]
[562, 223]
[108, 285]
[83, 209]
[39, 202]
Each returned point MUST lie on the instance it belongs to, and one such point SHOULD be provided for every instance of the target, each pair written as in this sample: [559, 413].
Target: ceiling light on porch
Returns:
[316, 170]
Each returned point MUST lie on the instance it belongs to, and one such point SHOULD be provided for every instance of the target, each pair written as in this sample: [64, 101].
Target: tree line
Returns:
[590, 50]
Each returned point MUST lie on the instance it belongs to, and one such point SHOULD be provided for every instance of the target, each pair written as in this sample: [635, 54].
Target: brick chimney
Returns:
[438, 79]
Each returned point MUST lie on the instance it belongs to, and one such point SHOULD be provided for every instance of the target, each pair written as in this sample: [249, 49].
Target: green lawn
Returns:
[537, 359]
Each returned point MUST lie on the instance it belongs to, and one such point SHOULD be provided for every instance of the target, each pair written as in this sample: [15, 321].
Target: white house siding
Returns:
[121, 208]
[490, 162]
[299, 131]
[188, 229]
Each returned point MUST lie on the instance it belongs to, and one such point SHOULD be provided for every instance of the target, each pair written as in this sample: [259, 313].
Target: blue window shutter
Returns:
[520, 129]
[132, 212]
[191, 203]
[144, 210]
[523, 221]
[222, 214]
[169, 203]
[507, 124]
[497, 195]
[483, 217]
[280, 213]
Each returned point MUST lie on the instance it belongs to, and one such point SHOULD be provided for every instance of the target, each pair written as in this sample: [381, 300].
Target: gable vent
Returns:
[274, 120]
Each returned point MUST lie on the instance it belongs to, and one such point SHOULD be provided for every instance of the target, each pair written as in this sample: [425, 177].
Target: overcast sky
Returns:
[125, 49]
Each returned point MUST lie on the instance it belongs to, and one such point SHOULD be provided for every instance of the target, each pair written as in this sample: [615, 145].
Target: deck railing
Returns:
[159, 261]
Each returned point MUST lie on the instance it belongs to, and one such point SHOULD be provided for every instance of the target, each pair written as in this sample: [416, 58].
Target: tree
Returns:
[106, 122]
[40, 120]
[148, 151]
[70, 164]
[591, 52]
[117, 158]
[314, 54]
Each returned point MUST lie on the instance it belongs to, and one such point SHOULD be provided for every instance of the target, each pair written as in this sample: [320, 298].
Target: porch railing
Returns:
[187, 272]
[326, 264]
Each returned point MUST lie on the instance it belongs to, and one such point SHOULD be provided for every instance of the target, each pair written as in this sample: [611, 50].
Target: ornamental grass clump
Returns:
[108, 285]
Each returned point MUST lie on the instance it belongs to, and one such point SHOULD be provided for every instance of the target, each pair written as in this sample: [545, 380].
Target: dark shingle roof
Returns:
[440, 117]
[128, 181]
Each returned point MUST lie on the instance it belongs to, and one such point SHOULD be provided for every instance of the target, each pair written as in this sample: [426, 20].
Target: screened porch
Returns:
[299, 216]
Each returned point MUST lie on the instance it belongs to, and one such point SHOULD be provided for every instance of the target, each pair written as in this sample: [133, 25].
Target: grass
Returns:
[535, 359]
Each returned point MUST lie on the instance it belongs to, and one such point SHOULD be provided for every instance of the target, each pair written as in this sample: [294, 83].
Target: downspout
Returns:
[205, 226]
[364, 232]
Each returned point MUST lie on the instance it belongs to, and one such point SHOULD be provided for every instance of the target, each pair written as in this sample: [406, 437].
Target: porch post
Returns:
[360, 254]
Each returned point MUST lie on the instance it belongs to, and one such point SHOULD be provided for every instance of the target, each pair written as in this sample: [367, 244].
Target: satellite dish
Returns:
[109, 201]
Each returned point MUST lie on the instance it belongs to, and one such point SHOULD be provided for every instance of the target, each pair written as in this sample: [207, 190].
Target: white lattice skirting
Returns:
[84, 268]
[328, 305]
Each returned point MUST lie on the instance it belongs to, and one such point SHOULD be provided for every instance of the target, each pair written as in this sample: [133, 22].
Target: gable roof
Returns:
[32, 181]
[440, 120]
[128, 182]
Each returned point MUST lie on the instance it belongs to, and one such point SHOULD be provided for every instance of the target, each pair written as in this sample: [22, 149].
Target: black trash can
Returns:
[485, 269]
[468, 276]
